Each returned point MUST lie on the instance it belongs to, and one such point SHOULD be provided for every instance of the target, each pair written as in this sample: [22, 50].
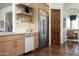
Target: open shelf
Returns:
[23, 13]
[23, 5]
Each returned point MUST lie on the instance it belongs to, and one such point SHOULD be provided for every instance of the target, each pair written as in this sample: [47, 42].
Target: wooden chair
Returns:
[71, 35]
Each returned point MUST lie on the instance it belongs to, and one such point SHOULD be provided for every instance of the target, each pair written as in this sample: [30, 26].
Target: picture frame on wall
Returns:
[64, 23]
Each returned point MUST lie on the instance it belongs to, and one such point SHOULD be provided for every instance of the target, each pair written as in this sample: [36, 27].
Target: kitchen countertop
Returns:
[14, 33]
[9, 33]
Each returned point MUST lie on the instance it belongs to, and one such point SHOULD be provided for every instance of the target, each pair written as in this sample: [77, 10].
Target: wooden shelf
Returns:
[24, 10]
[23, 13]
[23, 5]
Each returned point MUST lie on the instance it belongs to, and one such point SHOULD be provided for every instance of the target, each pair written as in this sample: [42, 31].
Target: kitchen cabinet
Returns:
[12, 45]
[8, 48]
[19, 46]
[1, 49]
[36, 41]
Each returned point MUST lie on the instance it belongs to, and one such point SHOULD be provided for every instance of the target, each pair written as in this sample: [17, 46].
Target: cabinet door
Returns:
[1, 49]
[8, 48]
[19, 46]
[36, 41]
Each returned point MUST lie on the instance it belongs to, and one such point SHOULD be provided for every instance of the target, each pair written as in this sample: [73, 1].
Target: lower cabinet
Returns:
[36, 41]
[12, 47]
[19, 47]
[1, 49]
[8, 48]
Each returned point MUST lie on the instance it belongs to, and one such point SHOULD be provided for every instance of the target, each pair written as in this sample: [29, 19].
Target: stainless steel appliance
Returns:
[43, 28]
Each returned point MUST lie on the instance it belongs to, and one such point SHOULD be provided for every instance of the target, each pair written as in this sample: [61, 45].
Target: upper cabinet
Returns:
[24, 11]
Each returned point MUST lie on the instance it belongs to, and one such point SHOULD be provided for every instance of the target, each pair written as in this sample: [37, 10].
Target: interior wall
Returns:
[68, 6]
[71, 5]
[61, 7]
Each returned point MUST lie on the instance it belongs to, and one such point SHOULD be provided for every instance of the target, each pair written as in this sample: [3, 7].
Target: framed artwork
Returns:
[64, 23]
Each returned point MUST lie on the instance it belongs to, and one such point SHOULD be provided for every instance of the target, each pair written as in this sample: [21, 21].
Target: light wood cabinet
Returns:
[1, 48]
[36, 41]
[19, 46]
[12, 45]
[8, 48]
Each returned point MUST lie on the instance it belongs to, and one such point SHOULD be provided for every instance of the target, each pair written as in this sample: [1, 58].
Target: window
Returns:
[72, 24]
[75, 24]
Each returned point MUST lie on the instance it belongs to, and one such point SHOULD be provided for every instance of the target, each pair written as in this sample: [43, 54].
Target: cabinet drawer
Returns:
[12, 37]
[19, 36]
[8, 38]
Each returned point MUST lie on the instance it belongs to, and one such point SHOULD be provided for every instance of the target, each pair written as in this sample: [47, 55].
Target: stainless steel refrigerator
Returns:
[43, 28]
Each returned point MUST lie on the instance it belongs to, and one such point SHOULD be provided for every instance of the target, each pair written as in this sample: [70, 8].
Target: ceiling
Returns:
[3, 5]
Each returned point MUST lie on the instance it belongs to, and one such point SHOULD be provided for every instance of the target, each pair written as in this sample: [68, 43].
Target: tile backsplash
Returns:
[24, 27]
